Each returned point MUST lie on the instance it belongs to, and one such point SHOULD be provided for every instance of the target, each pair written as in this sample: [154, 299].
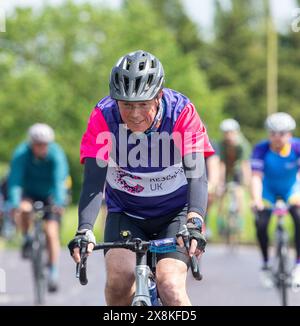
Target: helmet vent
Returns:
[117, 79]
[141, 66]
[126, 83]
[150, 79]
[137, 84]
[128, 64]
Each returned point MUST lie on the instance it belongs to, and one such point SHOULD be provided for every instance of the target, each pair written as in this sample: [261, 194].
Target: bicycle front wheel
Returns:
[38, 267]
[283, 276]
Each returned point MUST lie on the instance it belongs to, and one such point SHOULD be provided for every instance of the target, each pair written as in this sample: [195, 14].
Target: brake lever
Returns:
[81, 267]
[184, 233]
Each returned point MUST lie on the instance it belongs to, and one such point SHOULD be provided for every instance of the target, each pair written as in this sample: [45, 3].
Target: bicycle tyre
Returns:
[232, 230]
[282, 276]
[38, 265]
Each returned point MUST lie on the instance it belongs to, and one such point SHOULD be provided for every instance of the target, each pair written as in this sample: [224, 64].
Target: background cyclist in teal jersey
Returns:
[38, 171]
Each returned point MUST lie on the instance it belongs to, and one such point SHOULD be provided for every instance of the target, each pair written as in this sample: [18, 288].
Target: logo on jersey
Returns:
[291, 165]
[151, 184]
[128, 182]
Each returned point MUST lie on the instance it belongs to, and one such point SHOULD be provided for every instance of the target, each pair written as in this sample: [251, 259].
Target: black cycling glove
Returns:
[82, 238]
[195, 232]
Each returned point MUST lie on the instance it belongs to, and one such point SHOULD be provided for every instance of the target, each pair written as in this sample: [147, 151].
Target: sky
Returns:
[201, 11]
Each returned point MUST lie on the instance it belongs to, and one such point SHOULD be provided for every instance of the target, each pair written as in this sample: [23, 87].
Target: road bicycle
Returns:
[146, 293]
[230, 224]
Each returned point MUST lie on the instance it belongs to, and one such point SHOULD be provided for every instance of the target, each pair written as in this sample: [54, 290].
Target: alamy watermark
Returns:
[2, 20]
[296, 21]
[159, 150]
[2, 281]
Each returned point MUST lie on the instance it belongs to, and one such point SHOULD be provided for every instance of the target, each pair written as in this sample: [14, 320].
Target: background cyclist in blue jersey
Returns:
[155, 197]
[38, 171]
[275, 167]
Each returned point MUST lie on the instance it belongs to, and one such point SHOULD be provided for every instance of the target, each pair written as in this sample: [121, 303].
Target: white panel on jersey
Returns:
[147, 184]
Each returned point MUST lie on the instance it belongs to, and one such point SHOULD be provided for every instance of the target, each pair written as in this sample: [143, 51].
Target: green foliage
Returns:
[55, 66]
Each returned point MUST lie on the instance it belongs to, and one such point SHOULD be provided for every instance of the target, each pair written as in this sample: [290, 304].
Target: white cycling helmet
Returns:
[41, 133]
[229, 125]
[280, 122]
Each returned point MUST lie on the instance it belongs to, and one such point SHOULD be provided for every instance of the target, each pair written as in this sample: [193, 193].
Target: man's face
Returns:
[279, 139]
[231, 137]
[138, 116]
[40, 150]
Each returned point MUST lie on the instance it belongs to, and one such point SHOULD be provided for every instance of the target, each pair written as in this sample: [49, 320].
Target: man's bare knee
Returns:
[120, 268]
[171, 279]
[26, 206]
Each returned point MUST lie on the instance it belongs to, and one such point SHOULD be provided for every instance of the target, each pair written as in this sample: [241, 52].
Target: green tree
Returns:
[55, 66]
[236, 63]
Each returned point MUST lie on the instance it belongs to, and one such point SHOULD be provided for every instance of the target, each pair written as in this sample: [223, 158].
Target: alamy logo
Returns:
[2, 20]
[296, 22]
[2, 281]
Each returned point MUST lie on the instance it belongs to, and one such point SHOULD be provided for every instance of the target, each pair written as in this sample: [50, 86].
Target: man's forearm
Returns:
[246, 170]
[14, 196]
[256, 187]
[222, 174]
[197, 195]
[91, 194]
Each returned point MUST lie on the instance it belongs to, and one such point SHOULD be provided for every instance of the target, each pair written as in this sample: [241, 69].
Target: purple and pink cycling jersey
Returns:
[145, 175]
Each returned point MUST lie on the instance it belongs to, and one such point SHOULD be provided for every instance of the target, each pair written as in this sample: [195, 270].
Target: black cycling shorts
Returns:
[49, 216]
[150, 229]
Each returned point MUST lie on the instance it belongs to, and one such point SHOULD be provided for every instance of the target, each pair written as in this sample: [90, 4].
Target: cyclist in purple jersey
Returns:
[147, 144]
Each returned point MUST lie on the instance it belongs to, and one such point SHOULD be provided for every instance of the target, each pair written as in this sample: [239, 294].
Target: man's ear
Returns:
[160, 95]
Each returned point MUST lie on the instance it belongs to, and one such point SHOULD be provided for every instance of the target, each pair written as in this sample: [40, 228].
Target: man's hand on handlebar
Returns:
[193, 247]
[192, 235]
[82, 238]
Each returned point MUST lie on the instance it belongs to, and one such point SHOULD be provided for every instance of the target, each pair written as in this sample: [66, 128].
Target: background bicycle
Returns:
[229, 221]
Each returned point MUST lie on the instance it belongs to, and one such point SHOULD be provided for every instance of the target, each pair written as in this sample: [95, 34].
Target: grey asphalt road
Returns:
[230, 279]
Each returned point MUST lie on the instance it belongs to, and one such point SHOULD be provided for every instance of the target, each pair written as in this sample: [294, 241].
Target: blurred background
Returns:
[235, 59]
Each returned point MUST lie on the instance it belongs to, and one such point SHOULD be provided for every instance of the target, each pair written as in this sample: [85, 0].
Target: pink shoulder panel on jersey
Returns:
[189, 133]
[96, 141]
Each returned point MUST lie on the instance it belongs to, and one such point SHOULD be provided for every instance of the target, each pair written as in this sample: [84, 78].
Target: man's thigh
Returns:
[120, 265]
[169, 230]
[117, 222]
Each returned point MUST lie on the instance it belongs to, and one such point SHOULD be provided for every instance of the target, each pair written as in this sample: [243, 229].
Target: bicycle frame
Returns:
[233, 202]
